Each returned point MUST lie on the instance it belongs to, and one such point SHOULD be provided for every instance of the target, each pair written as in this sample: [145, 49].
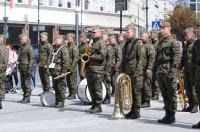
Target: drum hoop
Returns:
[42, 99]
[85, 94]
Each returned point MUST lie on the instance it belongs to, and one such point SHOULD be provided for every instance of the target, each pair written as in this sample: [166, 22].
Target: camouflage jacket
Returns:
[167, 57]
[196, 54]
[61, 60]
[97, 59]
[118, 57]
[45, 54]
[132, 52]
[26, 58]
[110, 59]
[3, 58]
[149, 56]
[74, 56]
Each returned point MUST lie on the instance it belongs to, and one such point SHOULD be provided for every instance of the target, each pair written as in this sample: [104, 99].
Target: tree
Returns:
[181, 18]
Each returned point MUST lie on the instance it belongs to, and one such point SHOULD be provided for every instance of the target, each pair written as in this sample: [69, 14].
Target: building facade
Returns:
[192, 4]
[165, 8]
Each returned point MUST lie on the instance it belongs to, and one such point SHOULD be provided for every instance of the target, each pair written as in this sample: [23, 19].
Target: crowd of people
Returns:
[152, 61]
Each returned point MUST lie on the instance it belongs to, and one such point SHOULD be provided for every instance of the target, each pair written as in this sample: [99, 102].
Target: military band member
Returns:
[147, 68]
[74, 56]
[82, 47]
[188, 73]
[132, 65]
[3, 65]
[196, 67]
[95, 69]
[154, 83]
[167, 59]
[26, 60]
[116, 61]
[60, 62]
[45, 50]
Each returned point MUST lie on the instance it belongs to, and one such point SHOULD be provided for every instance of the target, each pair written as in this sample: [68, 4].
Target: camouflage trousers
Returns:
[71, 83]
[25, 84]
[59, 86]
[154, 83]
[94, 81]
[44, 77]
[189, 87]
[197, 82]
[107, 82]
[146, 89]
[168, 87]
[136, 93]
[2, 86]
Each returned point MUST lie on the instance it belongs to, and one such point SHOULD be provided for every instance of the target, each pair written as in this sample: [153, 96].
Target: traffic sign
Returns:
[155, 25]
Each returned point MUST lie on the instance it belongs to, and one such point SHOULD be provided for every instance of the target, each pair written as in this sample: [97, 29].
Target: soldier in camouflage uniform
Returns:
[45, 50]
[196, 68]
[147, 68]
[186, 63]
[81, 47]
[108, 65]
[132, 64]
[26, 60]
[116, 63]
[154, 83]
[3, 65]
[121, 40]
[95, 69]
[167, 59]
[74, 56]
[60, 62]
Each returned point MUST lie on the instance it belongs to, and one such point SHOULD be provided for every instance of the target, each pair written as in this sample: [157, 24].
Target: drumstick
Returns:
[62, 75]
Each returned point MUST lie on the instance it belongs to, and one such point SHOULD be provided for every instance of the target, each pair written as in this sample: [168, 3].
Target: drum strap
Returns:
[54, 54]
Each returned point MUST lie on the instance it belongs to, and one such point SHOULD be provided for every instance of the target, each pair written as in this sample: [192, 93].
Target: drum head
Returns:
[84, 94]
[48, 99]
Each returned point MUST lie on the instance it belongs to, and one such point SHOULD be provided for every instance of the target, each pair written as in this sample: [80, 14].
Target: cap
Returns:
[165, 24]
[189, 30]
[23, 35]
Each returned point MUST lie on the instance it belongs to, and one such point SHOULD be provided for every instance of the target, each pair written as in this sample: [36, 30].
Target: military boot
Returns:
[71, 97]
[1, 107]
[146, 104]
[96, 110]
[135, 115]
[194, 109]
[188, 109]
[171, 118]
[127, 116]
[155, 97]
[196, 126]
[59, 105]
[107, 101]
[165, 117]
[25, 101]
[90, 109]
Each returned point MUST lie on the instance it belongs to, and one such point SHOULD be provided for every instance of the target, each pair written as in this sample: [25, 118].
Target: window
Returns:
[50, 2]
[60, 3]
[165, 9]
[41, 2]
[69, 5]
[193, 7]
[101, 8]
[86, 4]
[19, 1]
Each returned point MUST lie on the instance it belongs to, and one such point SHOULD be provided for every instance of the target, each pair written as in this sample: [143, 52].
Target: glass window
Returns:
[19, 1]
[86, 4]
[193, 7]
[69, 5]
[60, 3]
[50, 2]
[101, 8]
[192, 0]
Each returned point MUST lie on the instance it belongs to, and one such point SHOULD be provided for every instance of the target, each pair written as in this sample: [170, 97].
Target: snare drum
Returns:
[48, 99]
[84, 94]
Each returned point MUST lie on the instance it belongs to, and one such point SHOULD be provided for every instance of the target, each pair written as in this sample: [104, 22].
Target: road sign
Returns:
[155, 25]
[120, 5]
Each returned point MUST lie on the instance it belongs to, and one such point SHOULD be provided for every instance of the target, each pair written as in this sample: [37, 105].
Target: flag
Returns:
[30, 2]
[11, 4]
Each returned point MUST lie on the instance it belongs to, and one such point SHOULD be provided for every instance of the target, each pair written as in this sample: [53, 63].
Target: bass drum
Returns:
[48, 99]
[84, 94]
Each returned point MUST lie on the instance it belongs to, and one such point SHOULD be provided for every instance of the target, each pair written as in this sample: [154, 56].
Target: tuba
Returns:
[180, 91]
[123, 96]
[85, 58]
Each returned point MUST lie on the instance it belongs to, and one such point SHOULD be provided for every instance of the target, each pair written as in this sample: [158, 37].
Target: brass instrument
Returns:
[123, 96]
[180, 91]
[62, 75]
[85, 58]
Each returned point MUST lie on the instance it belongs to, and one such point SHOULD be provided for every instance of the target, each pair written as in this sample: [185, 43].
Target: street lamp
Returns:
[138, 4]
[38, 25]
[5, 26]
